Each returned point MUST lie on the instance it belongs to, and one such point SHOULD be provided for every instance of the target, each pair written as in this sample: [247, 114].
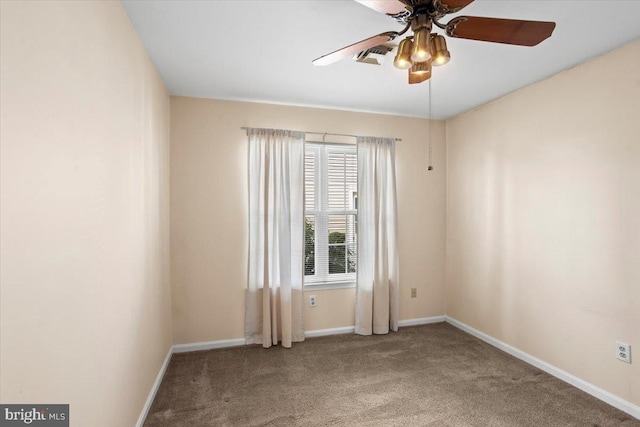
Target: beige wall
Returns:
[209, 213]
[85, 298]
[544, 219]
[543, 214]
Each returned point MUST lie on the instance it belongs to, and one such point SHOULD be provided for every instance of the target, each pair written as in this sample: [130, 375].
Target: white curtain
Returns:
[276, 237]
[377, 292]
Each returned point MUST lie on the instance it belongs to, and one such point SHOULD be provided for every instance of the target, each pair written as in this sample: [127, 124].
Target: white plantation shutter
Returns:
[309, 207]
[331, 180]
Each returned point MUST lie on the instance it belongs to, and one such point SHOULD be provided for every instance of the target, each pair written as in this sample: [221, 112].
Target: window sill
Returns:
[329, 285]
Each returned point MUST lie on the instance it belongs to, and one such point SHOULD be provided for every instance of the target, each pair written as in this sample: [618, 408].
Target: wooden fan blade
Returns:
[390, 7]
[418, 78]
[509, 31]
[451, 6]
[352, 49]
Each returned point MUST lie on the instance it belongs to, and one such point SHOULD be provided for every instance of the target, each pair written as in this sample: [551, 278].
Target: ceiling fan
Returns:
[419, 51]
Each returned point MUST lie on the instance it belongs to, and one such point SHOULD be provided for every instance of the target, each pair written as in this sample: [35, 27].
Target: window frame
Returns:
[321, 214]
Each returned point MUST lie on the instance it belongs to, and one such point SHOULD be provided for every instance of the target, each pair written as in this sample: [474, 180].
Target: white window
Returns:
[331, 197]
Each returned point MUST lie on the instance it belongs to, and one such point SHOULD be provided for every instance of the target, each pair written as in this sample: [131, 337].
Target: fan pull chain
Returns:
[430, 168]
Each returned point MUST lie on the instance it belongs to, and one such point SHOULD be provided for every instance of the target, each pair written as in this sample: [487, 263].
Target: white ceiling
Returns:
[262, 51]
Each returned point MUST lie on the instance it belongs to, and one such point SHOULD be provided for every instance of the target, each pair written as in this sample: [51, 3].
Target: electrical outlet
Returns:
[313, 302]
[414, 292]
[623, 351]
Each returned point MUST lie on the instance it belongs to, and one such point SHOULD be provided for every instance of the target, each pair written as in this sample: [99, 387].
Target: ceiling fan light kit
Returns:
[421, 49]
[418, 52]
[403, 57]
[421, 68]
[439, 48]
[421, 27]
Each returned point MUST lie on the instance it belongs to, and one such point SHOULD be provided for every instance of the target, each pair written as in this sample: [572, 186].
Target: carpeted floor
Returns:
[432, 375]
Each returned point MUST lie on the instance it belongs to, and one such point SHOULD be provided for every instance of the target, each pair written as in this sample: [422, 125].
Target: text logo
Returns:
[34, 415]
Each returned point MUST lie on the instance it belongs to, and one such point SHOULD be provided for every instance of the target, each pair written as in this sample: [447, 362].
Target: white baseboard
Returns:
[583, 385]
[352, 329]
[208, 345]
[235, 342]
[332, 331]
[422, 321]
[154, 389]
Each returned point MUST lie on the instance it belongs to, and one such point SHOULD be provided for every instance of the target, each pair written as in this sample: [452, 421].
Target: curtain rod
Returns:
[327, 133]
